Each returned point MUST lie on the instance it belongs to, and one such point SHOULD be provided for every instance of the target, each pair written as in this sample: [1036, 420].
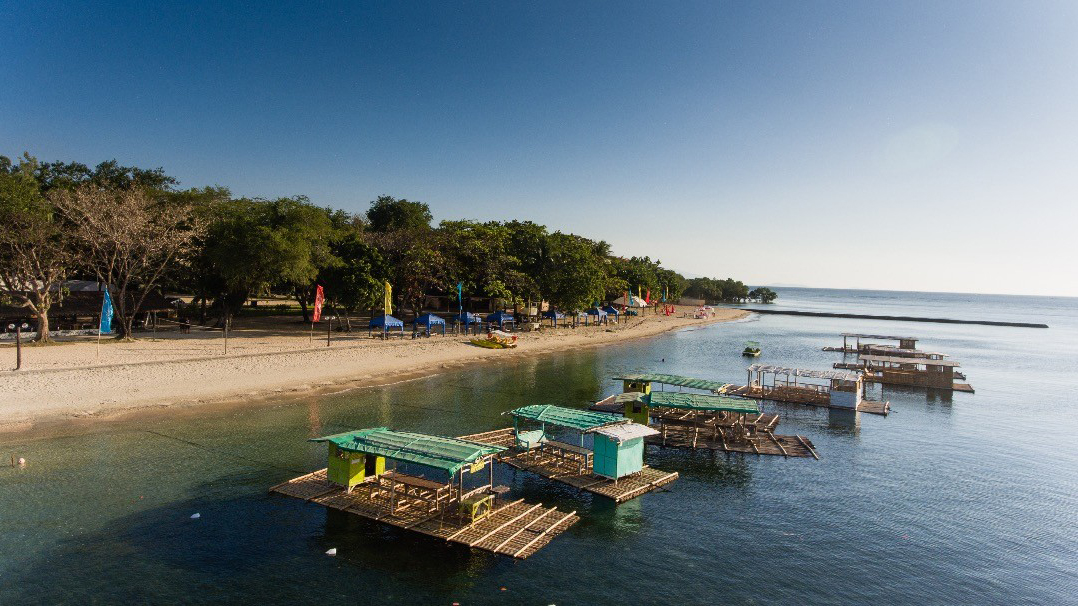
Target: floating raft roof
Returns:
[695, 401]
[447, 454]
[813, 374]
[902, 360]
[581, 420]
[678, 380]
[889, 338]
[626, 431]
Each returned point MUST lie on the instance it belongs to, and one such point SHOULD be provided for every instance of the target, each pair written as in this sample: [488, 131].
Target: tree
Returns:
[390, 214]
[33, 253]
[355, 279]
[128, 238]
[763, 294]
[577, 275]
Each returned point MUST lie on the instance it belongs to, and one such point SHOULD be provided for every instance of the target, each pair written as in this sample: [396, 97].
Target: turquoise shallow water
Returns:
[951, 499]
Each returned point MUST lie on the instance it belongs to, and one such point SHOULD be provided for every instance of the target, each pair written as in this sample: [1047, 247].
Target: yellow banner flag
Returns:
[389, 299]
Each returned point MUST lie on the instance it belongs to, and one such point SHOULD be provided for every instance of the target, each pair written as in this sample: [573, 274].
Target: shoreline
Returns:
[146, 378]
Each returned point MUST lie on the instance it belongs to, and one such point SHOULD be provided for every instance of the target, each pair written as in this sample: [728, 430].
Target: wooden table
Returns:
[477, 506]
[433, 494]
[569, 453]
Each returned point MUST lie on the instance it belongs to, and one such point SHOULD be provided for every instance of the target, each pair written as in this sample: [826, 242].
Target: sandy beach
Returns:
[268, 356]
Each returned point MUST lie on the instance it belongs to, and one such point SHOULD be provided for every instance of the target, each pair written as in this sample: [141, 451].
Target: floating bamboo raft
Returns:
[765, 443]
[794, 395]
[624, 489]
[515, 529]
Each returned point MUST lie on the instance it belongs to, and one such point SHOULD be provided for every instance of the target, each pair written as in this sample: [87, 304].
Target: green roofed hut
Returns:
[612, 464]
[429, 484]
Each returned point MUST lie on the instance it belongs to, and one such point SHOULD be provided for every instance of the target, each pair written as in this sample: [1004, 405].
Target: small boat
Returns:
[752, 348]
[497, 340]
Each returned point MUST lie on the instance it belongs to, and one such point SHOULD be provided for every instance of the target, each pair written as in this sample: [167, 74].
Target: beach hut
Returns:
[598, 314]
[384, 323]
[501, 318]
[554, 315]
[428, 320]
[612, 311]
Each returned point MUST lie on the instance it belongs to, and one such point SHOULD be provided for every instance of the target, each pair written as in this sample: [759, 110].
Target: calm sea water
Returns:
[951, 499]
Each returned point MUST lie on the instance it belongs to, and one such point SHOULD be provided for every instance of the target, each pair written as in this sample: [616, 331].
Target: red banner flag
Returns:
[647, 299]
[319, 298]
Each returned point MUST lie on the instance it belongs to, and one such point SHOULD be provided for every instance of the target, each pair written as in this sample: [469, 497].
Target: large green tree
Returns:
[391, 214]
[34, 253]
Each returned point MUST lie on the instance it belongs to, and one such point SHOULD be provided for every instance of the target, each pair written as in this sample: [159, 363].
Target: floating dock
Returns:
[795, 396]
[697, 437]
[704, 421]
[842, 390]
[568, 472]
[516, 529]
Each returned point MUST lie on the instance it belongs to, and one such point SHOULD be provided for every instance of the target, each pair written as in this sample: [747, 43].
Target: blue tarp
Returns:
[554, 316]
[610, 309]
[595, 311]
[386, 322]
[429, 320]
[468, 318]
[500, 318]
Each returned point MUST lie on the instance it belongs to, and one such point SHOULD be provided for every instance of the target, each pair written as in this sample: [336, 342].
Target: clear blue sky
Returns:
[903, 145]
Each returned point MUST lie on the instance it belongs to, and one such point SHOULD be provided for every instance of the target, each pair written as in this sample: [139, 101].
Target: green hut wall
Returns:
[638, 410]
[613, 460]
[350, 468]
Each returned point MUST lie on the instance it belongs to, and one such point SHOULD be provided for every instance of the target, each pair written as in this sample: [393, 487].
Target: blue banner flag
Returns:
[106, 314]
[460, 293]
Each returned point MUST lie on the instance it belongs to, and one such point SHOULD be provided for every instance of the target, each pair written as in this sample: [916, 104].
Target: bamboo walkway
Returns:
[624, 489]
[516, 529]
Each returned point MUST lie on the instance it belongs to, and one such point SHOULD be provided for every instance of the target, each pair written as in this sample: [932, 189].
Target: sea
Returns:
[951, 499]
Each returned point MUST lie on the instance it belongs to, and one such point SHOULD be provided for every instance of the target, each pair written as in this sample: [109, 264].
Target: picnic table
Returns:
[568, 453]
[401, 486]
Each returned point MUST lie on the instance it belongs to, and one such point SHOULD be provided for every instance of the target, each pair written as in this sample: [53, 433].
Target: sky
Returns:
[927, 146]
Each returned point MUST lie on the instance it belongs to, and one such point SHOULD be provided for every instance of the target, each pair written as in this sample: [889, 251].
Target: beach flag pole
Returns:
[319, 298]
[104, 325]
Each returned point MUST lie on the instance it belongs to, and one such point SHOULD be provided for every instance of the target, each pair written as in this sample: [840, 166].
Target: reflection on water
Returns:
[931, 504]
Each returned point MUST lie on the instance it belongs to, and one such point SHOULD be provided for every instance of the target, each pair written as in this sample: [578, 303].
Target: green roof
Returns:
[572, 418]
[447, 454]
[695, 401]
[678, 380]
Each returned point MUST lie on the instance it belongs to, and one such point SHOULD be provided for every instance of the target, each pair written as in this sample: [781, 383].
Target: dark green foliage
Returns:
[763, 294]
[390, 214]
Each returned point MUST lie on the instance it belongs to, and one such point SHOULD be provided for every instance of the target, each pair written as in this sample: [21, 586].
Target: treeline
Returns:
[726, 291]
[137, 231]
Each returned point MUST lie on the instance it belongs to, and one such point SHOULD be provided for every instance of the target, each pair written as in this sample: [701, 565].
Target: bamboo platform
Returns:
[765, 444]
[747, 391]
[861, 366]
[624, 489]
[516, 529]
[762, 422]
[955, 386]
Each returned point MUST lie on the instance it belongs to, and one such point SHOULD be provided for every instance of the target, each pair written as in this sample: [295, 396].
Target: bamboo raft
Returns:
[765, 443]
[795, 395]
[621, 490]
[516, 529]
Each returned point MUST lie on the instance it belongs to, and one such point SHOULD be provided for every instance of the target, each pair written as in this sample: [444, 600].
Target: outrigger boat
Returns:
[497, 339]
[752, 348]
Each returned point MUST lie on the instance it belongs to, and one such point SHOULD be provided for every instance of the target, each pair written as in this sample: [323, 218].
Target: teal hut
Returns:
[619, 449]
